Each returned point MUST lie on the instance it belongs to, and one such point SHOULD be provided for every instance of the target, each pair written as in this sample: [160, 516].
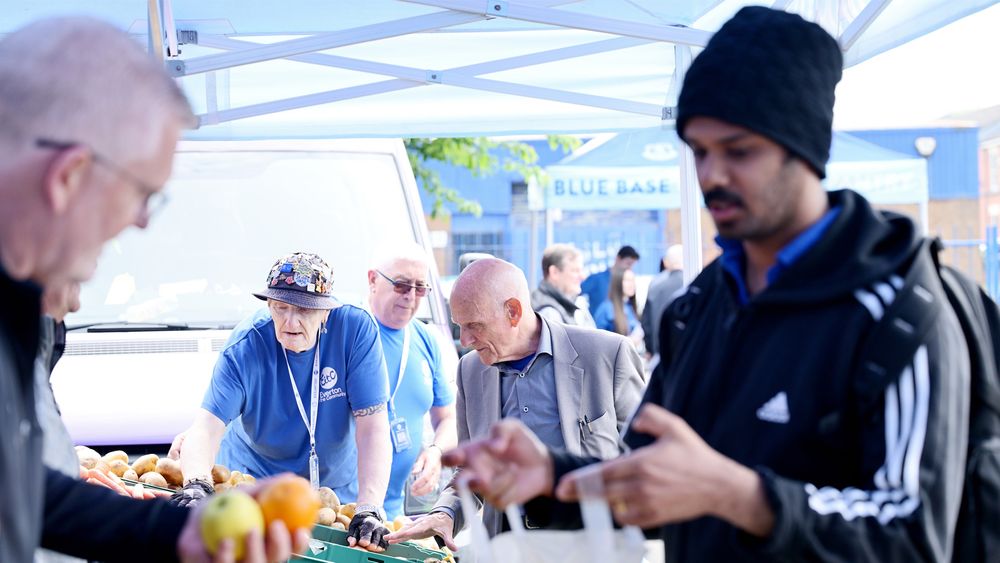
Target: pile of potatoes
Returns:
[151, 469]
[224, 479]
[338, 516]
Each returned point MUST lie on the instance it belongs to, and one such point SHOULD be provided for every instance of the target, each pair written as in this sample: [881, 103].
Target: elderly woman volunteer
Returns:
[288, 390]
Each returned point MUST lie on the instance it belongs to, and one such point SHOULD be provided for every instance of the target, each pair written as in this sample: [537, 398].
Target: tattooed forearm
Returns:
[370, 410]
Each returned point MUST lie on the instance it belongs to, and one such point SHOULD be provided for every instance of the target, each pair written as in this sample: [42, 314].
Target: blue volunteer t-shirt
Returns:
[250, 391]
[424, 385]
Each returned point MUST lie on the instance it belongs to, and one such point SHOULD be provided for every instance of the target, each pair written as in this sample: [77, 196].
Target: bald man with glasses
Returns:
[417, 382]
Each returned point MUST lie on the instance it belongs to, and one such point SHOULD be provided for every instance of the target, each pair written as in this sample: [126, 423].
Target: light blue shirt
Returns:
[250, 391]
[424, 385]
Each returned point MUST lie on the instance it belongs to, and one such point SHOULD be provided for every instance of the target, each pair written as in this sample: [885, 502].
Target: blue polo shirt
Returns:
[250, 392]
[424, 385]
[734, 257]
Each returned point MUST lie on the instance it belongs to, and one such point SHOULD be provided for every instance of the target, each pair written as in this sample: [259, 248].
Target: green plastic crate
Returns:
[334, 549]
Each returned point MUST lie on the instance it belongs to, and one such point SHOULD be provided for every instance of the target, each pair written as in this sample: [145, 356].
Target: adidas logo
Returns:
[775, 409]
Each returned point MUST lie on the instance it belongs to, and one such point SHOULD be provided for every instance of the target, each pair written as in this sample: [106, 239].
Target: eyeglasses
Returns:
[403, 288]
[154, 199]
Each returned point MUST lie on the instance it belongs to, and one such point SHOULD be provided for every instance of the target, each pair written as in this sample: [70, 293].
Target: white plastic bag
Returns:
[597, 542]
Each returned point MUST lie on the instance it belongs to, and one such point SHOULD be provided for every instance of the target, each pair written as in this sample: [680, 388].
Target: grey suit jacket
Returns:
[598, 375]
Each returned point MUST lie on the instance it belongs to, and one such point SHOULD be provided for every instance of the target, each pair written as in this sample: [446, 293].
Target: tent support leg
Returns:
[690, 209]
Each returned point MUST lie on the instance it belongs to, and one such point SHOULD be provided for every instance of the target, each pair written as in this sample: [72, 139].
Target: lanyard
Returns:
[402, 367]
[310, 422]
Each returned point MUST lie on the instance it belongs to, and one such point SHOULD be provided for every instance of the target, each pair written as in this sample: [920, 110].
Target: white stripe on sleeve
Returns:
[897, 481]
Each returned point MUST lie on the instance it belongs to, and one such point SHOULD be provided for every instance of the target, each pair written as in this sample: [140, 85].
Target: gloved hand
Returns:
[193, 492]
[367, 530]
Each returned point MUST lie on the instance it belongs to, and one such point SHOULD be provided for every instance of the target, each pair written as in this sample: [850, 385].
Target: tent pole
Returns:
[155, 29]
[574, 20]
[690, 210]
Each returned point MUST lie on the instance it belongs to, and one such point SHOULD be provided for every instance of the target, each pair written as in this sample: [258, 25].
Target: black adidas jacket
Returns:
[764, 383]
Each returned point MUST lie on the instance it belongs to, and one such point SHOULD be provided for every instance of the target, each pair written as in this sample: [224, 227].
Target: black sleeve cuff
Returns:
[779, 497]
[547, 512]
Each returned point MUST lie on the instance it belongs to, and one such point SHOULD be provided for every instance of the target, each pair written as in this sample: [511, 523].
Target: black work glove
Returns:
[368, 526]
[193, 493]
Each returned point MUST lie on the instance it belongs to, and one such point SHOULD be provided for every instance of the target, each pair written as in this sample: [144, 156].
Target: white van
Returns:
[162, 304]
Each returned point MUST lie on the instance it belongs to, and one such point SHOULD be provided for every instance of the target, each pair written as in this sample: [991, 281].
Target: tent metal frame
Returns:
[164, 43]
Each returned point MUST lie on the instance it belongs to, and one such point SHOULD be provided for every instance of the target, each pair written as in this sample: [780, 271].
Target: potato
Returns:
[130, 474]
[399, 522]
[219, 487]
[235, 478]
[83, 452]
[102, 466]
[220, 473]
[338, 526]
[87, 457]
[329, 498]
[348, 510]
[344, 521]
[249, 479]
[171, 471]
[119, 467]
[326, 516]
[153, 478]
[117, 454]
[145, 464]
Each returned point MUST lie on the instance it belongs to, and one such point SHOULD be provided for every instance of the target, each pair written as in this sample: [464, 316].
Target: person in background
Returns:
[595, 287]
[299, 387]
[88, 128]
[557, 297]
[619, 313]
[661, 294]
[417, 383]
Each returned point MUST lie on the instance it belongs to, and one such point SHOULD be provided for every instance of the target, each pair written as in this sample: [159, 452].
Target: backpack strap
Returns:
[895, 338]
[980, 320]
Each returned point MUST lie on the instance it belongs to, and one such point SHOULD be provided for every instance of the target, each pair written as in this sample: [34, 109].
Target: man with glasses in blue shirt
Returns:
[417, 382]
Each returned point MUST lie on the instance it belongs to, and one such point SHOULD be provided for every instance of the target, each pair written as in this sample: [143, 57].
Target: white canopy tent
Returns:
[313, 68]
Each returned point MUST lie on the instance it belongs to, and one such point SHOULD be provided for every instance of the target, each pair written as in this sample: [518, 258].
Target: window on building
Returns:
[490, 242]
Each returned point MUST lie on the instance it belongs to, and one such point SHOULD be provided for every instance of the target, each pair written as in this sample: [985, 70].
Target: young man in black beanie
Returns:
[752, 444]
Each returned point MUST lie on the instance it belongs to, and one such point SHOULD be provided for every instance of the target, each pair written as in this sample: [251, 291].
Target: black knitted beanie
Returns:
[771, 72]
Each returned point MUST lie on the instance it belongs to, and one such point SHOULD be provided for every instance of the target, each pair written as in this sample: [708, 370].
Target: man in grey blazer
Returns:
[574, 387]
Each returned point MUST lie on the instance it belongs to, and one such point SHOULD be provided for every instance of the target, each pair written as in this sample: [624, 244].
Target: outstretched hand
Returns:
[510, 466]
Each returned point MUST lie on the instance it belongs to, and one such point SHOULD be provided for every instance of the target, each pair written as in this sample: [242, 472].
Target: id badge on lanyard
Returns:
[309, 421]
[397, 426]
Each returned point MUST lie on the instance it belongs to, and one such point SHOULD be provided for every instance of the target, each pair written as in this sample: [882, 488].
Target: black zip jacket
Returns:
[41, 505]
[763, 384]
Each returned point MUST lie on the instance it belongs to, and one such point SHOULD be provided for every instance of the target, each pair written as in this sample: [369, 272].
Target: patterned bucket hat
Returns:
[301, 279]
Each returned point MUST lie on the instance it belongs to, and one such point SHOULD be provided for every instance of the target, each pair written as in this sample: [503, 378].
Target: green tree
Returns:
[481, 156]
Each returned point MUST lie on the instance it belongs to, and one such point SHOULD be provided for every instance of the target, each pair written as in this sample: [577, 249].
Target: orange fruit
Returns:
[292, 500]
